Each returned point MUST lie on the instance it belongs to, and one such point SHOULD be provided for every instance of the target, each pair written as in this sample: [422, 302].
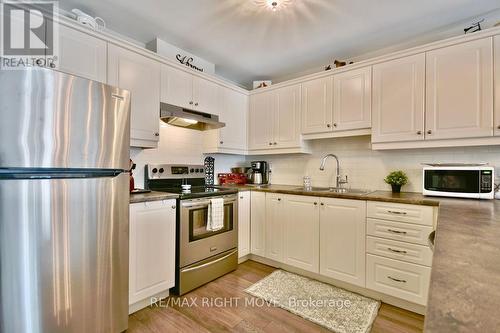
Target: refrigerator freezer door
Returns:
[64, 255]
[55, 120]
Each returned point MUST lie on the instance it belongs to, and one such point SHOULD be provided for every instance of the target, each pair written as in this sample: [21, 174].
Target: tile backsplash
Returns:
[179, 145]
[364, 167]
[367, 168]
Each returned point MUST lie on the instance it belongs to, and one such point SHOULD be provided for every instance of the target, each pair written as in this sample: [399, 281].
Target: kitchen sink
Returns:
[339, 190]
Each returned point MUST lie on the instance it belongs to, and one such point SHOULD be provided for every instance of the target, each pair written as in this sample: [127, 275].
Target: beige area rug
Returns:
[336, 309]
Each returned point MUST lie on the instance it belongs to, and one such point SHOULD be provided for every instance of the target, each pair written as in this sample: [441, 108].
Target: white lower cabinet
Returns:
[398, 259]
[243, 223]
[342, 240]
[275, 220]
[339, 238]
[152, 249]
[397, 278]
[258, 223]
[301, 232]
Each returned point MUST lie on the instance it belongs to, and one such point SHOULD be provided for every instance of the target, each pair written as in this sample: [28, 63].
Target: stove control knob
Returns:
[155, 170]
[161, 170]
[201, 170]
[197, 170]
[192, 170]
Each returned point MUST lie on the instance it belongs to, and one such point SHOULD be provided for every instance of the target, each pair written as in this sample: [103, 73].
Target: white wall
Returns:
[366, 168]
[179, 145]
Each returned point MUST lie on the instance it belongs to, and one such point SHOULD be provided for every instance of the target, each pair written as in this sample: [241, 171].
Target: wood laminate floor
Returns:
[179, 314]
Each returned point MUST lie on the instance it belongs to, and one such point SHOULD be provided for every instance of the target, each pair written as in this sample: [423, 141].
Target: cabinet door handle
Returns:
[279, 199]
[274, 143]
[315, 204]
[270, 143]
[241, 197]
[396, 212]
[396, 251]
[334, 124]
[322, 204]
[429, 132]
[196, 104]
[191, 103]
[397, 280]
[328, 125]
[419, 132]
[157, 134]
[222, 142]
[498, 126]
[174, 206]
[397, 232]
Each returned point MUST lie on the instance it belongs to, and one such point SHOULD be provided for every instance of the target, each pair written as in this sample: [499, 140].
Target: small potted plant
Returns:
[396, 179]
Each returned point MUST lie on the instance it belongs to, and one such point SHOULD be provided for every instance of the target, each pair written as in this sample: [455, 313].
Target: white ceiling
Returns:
[248, 42]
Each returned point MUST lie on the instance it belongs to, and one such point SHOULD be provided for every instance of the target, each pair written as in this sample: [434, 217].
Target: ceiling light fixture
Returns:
[273, 5]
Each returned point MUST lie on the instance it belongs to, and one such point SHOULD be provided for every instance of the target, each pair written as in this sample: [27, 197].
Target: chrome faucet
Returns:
[339, 182]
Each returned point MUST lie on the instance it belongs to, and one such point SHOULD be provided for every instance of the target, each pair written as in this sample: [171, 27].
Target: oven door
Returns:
[198, 243]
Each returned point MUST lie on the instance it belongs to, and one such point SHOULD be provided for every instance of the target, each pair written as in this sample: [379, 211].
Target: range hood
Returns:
[181, 117]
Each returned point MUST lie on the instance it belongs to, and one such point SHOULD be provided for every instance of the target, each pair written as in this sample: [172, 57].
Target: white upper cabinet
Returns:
[352, 99]
[301, 238]
[141, 76]
[81, 54]
[152, 248]
[183, 89]
[398, 100]
[317, 105]
[275, 220]
[261, 121]
[286, 117]
[205, 95]
[342, 240]
[460, 91]
[176, 87]
[275, 119]
[243, 223]
[497, 85]
[233, 111]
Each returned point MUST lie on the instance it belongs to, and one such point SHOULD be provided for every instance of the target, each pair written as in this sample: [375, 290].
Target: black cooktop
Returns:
[196, 191]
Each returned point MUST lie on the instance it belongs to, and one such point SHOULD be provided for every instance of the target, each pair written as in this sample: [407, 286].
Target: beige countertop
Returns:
[387, 196]
[464, 294]
[152, 196]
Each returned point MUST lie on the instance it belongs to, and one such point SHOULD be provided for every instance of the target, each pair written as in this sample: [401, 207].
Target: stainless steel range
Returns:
[202, 254]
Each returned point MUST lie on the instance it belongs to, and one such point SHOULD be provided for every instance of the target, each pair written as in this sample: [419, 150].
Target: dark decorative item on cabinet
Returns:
[474, 27]
[338, 64]
[396, 179]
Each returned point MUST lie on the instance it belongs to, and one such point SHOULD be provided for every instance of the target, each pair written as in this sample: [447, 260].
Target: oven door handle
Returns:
[209, 263]
[203, 203]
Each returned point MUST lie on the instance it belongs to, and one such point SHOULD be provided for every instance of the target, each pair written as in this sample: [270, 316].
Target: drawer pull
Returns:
[397, 232]
[397, 280]
[396, 251]
[396, 212]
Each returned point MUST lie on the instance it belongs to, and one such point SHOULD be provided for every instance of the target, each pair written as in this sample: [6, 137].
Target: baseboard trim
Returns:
[147, 302]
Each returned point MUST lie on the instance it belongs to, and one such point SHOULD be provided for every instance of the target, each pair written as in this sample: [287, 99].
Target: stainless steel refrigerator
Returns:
[64, 196]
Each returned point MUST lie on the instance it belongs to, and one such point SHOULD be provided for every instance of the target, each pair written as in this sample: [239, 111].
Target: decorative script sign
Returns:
[174, 53]
[188, 61]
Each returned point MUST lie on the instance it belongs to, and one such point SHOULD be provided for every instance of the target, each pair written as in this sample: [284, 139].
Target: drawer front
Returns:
[404, 232]
[400, 212]
[397, 278]
[413, 253]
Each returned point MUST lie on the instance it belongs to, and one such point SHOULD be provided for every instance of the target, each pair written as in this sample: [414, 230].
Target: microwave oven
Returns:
[463, 181]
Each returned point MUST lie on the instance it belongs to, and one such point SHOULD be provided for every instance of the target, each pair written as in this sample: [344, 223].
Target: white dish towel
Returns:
[215, 214]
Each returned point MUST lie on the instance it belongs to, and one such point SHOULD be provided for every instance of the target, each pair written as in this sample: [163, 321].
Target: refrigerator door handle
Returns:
[57, 173]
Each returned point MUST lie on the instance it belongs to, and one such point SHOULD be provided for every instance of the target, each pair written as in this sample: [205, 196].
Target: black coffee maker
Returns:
[259, 172]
